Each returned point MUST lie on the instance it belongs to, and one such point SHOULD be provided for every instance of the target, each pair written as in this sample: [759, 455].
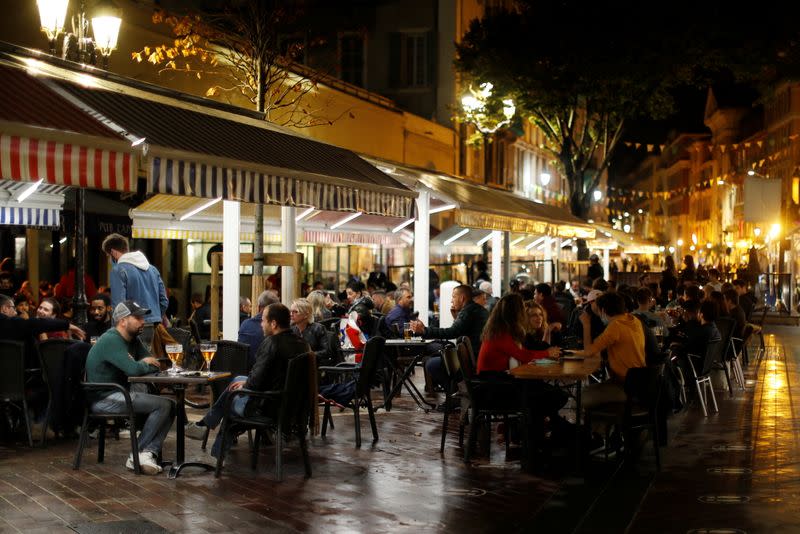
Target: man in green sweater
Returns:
[117, 355]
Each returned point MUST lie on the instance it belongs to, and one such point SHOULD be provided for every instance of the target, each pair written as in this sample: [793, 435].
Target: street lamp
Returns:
[488, 115]
[78, 45]
[597, 195]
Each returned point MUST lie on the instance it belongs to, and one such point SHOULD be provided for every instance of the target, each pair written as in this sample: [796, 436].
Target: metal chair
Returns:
[640, 411]
[184, 337]
[725, 325]
[293, 410]
[364, 376]
[702, 380]
[452, 366]
[12, 379]
[102, 417]
[51, 358]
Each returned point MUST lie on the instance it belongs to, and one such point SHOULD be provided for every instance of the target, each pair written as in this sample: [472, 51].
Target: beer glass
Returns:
[175, 354]
[208, 350]
[407, 331]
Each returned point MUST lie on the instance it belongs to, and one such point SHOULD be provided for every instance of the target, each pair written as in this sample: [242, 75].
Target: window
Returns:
[410, 61]
[351, 58]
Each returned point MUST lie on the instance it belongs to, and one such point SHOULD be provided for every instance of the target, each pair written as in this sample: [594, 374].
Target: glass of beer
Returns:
[175, 354]
[208, 350]
[407, 331]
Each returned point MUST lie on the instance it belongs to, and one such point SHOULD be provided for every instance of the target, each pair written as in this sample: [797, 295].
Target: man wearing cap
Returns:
[132, 277]
[486, 288]
[117, 355]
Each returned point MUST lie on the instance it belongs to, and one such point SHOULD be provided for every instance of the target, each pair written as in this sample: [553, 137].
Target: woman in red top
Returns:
[504, 334]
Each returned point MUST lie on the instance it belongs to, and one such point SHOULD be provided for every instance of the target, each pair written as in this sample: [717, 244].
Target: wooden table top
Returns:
[572, 370]
[413, 342]
[165, 378]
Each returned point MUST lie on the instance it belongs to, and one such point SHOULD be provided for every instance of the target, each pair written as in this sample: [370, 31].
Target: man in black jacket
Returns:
[470, 319]
[268, 373]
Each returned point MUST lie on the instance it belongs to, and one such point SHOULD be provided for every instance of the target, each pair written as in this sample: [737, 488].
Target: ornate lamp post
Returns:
[488, 116]
[79, 46]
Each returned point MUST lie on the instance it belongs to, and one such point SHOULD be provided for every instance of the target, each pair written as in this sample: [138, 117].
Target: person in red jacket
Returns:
[503, 336]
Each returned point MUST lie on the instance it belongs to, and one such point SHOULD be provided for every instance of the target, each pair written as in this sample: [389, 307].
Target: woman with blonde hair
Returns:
[539, 335]
[318, 309]
[302, 320]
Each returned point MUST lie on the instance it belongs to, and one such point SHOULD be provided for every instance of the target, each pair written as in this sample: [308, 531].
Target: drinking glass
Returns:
[175, 354]
[208, 350]
[407, 331]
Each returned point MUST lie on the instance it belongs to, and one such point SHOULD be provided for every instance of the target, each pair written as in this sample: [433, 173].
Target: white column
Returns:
[422, 255]
[557, 258]
[506, 261]
[606, 264]
[548, 256]
[288, 244]
[497, 263]
[230, 270]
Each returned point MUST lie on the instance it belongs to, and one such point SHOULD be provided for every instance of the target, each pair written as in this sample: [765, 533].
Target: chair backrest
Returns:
[370, 363]
[195, 330]
[12, 370]
[762, 317]
[725, 325]
[51, 357]
[331, 323]
[182, 336]
[470, 350]
[466, 365]
[715, 351]
[643, 385]
[451, 363]
[231, 357]
[295, 401]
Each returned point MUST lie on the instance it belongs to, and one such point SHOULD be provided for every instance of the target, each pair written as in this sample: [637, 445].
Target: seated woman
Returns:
[539, 335]
[501, 346]
[302, 319]
[503, 336]
[49, 308]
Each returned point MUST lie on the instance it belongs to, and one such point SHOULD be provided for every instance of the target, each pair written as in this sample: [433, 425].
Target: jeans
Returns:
[160, 413]
[214, 416]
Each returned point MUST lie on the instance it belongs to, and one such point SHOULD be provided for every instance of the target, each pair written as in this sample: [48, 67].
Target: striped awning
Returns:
[45, 218]
[194, 179]
[31, 159]
[159, 217]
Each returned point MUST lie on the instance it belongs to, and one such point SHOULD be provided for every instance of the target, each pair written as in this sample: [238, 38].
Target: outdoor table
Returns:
[179, 383]
[405, 374]
[568, 370]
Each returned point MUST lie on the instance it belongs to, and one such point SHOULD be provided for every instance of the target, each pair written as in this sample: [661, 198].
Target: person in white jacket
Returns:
[133, 278]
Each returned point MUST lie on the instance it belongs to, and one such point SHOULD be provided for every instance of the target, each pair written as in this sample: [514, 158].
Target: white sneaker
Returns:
[147, 461]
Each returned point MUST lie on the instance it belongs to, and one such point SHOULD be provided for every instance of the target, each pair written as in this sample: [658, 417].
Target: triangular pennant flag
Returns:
[747, 145]
[649, 148]
[760, 143]
[722, 148]
[637, 145]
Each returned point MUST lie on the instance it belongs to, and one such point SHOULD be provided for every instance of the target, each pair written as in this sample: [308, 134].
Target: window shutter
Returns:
[431, 46]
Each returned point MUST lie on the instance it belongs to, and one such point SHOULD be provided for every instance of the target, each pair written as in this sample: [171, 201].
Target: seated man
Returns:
[392, 323]
[117, 355]
[99, 315]
[623, 339]
[280, 345]
[470, 318]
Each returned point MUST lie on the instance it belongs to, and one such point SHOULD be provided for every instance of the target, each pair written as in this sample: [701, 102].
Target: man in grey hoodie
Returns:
[133, 278]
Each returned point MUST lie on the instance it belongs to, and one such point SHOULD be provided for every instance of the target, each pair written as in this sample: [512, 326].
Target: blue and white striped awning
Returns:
[47, 218]
[42, 208]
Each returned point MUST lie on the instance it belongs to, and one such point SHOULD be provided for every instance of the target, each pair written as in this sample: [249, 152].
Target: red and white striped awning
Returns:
[29, 159]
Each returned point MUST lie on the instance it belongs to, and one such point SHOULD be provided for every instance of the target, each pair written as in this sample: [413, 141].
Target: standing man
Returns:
[280, 345]
[595, 269]
[117, 355]
[133, 278]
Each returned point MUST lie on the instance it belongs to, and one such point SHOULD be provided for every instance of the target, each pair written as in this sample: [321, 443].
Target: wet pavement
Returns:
[735, 471]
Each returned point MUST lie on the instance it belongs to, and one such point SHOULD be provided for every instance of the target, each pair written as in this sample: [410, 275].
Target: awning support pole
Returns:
[288, 244]
[606, 264]
[230, 270]
[422, 253]
[548, 259]
[506, 261]
[497, 263]
[79, 303]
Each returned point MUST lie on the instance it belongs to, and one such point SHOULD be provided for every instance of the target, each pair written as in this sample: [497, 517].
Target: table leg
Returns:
[180, 453]
[578, 433]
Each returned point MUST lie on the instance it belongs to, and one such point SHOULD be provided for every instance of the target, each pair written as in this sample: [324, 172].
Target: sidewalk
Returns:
[734, 470]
